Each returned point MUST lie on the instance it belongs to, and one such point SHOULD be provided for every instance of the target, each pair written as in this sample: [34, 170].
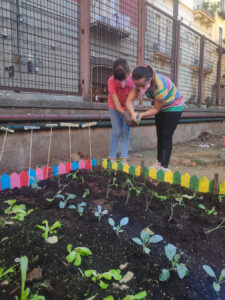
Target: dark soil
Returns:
[186, 229]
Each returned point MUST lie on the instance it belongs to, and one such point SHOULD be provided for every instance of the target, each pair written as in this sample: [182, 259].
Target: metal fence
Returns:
[44, 46]
[39, 47]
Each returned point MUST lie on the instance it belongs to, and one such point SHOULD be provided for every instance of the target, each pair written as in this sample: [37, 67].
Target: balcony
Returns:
[116, 27]
[161, 52]
[207, 66]
[205, 12]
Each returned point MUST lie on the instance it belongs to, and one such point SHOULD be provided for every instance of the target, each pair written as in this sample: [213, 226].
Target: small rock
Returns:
[122, 267]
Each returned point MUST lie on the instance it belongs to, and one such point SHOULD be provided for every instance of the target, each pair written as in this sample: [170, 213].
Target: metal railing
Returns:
[69, 47]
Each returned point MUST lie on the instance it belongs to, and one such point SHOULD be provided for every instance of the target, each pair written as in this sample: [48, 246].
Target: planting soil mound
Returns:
[193, 223]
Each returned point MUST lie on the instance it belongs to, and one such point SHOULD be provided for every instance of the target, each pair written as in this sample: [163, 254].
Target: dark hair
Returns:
[120, 69]
[146, 72]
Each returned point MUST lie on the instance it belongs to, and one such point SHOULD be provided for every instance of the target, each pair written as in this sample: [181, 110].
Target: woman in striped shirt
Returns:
[168, 107]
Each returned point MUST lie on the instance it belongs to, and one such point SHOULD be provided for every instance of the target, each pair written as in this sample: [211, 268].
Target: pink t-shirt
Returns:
[115, 87]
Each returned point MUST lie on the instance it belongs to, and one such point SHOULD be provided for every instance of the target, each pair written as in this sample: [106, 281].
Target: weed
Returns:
[211, 211]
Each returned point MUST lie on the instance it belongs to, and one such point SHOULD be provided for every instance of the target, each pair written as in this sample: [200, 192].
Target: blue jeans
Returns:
[119, 130]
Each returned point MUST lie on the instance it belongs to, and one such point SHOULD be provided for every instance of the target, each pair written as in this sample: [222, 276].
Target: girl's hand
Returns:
[140, 116]
[134, 117]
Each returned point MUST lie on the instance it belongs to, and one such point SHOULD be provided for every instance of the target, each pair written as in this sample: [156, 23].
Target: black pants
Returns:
[166, 123]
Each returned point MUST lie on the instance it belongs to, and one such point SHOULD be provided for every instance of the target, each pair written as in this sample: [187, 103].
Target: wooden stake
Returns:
[89, 130]
[142, 167]
[3, 145]
[49, 148]
[31, 138]
[216, 183]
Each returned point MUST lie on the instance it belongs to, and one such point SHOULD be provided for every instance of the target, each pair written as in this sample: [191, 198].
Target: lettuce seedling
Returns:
[124, 221]
[97, 277]
[25, 292]
[171, 253]
[147, 239]
[76, 253]
[131, 187]
[100, 213]
[141, 295]
[217, 282]
[49, 230]
[79, 208]
[18, 211]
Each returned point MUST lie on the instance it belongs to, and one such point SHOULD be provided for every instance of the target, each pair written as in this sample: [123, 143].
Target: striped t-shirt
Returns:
[167, 92]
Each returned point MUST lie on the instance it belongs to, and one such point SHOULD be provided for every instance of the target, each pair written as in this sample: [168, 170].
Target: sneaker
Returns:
[156, 165]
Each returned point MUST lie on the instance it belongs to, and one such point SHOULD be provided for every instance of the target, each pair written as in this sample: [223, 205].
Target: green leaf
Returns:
[71, 196]
[202, 206]
[164, 275]
[137, 241]
[147, 250]
[88, 273]
[103, 285]
[69, 247]
[140, 295]
[124, 221]
[109, 298]
[77, 261]
[182, 270]
[24, 267]
[177, 258]
[222, 274]
[116, 274]
[111, 222]
[84, 251]
[216, 286]
[156, 239]
[170, 251]
[143, 235]
[57, 224]
[60, 196]
[209, 271]
[71, 257]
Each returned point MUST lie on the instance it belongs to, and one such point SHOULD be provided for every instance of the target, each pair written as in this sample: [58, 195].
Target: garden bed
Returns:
[169, 211]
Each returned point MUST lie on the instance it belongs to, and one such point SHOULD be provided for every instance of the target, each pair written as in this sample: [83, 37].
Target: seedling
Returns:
[211, 211]
[141, 295]
[75, 176]
[217, 227]
[161, 197]
[86, 193]
[124, 221]
[75, 254]
[171, 253]
[147, 239]
[100, 213]
[217, 283]
[131, 187]
[179, 202]
[35, 185]
[62, 204]
[79, 208]
[4, 272]
[4, 239]
[221, 198]
[49, 230]
[113, 184]
[97, 277]
[18, 211]
[25, 292]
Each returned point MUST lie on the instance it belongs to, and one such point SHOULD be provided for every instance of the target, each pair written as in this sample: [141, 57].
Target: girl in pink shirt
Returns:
[119, 86]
